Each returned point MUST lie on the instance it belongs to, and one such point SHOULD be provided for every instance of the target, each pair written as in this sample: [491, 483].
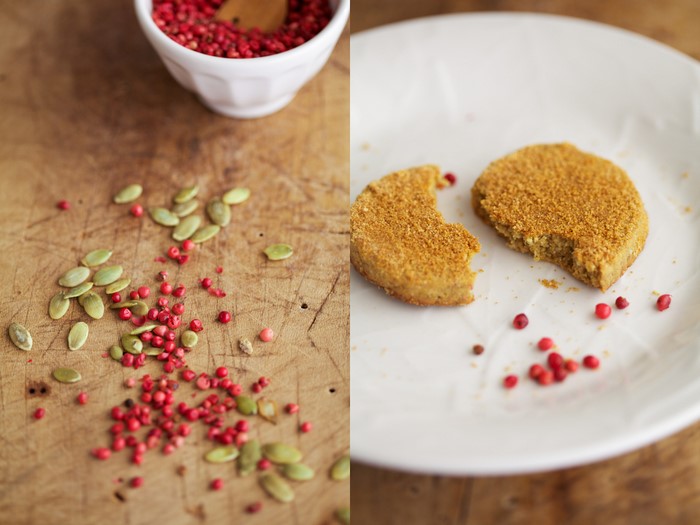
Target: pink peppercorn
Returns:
[621, 303]
[292, 408]
[63, 205]
[130, 382]
[188, 375]
[555, 361]
[509, 382]
[535, 371]
[102, 453]
[520, 321]
[178, 309]
[136, 210]
[183, 259]
[544, 344]
[256, 388]
[217, 484]
[124, 314]
[224, 317]
[144, 291]
[451, 178]
[82, 398]
[219, 269]
[136, 482]
[560, 374]
[602, 310]
[663, 302]
[242, 425]
[254, 507]
[266, 335]
[166, 288]
[179, 291]
[206, 283]
[187, 245]
[591, 361]
[571, 365]
[203, 382]
[264, 381]
[134, 295]
[306, 426]
[39, 413]
[173, 252]
[545, 378]
[222, 371]
[264, 464]
[116, 297]
[196, 325]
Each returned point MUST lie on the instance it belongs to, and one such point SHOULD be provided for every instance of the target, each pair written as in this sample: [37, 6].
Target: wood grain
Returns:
[656, 484]
[87, 107]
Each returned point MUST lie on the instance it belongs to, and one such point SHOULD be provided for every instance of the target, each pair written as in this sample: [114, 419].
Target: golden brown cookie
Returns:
[401, 242]
[561, 205]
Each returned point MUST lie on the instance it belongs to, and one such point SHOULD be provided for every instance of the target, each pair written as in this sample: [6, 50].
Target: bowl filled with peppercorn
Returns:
[238, 72]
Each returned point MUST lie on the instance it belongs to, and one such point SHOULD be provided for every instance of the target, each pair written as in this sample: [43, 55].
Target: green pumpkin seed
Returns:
[152, 351]
[281, 453]
[123, 304]
[246, 405]
[277, 252]
[164, 217]
[58, 306]
[96, 257]
[245, 345]
[142, 329]
[189, 339]
[186, 228]
[78, 335]
[139, 307]
[74, 277]
[20, 336]
[298, 472]
[107, 275]
[341, 468]
[67, 375]
[267, 409]
[236, 196]
[132, 344]
[185, 208]
[218, 212]
[251, 453]
[343, 515]
[128, 194]
[93, 305]
[117, 286]
[79, 290]
[276, 487]
[186, 194]
[116, 353]
[206, 233]
[221, 454]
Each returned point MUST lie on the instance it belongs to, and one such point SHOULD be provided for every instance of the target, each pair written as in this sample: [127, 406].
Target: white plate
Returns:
[461, 91]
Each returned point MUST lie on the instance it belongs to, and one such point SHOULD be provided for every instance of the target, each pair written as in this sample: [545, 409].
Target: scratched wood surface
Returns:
[657, 484]
[85, 107]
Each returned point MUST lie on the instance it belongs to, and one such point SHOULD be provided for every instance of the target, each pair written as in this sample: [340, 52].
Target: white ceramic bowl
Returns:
[249, 87]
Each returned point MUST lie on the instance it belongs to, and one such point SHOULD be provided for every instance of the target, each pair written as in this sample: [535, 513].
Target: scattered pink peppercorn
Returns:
[306, 426]
[134, 294]
[196, 325]
[545, 378]
[130, 382]
[217, 484]
[173, 252]
[221, 372]
[451, 178]
[188, 375]
[82, 398]
[183, 259]
[187, 245]
[136, 482]
[264, 464]
[254, 507]
[219, 269]
[179, 291]
[602, 310]
[255, 387]
[663, 302]
[166, 288]
[621, 303]
[206, 283]
[535, 371]
[555, 361]
[520, 321]
[39, 413]
[102, 453]
[266, 335]
[546, 343]
[178, 309]
[571, 365]
[136, 210]
[591, 361]
[124, 314]
[116, 297]
[560, 374]
[264, 381]
[144, 291]
[292, 408]
[63, 205]
[224, 317]
[510, 381]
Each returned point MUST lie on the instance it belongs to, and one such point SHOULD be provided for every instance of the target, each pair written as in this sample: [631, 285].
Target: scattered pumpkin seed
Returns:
[107, 275]
[93, 305]
[221, 454]
[132, 344]
[298, 472]
[281, 453]
[343, 515]
[141, 329]
[276, 487]
[116, 353]
[128, 194]
[236, 196]
[341, 468]
[267, 409]
[20, 336]
[189, 339]
[152, 351]
[251, 453]
[218, 212]
[78, 335]
[206, 233]
[139, 307]
[123, 304]
[74, 277]
[58, 306]
[185, 208]
[277, 252]
[186, 194]
[96, 257]
[79, 290]
[118, 285]
[246, 405]
[245, 345]
[67, 375]
[164, 217]
[186, 228]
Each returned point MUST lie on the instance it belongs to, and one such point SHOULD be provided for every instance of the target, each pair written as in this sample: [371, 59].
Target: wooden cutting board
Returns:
[86, 107]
